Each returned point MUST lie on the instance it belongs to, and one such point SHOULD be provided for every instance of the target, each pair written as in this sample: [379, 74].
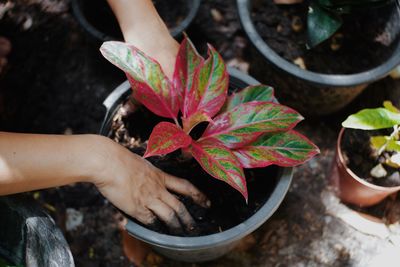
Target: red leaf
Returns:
[204, 83]
[218, 161]
[258, 92]
[285, 149]
[244, 123]
[193, 120]
[187, 60]
[150, 85]
[165, 138]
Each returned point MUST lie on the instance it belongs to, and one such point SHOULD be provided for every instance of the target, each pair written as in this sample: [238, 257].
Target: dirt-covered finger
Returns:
[144, 216]
[184, 187]
[180, 210]
[166, 214]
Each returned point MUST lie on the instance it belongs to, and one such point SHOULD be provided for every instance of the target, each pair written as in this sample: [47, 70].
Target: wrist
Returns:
[99, 159]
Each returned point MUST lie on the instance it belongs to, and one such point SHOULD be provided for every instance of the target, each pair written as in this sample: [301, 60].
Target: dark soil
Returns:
[102, 18]
[365, 40]
[361, 158]
[228, 206]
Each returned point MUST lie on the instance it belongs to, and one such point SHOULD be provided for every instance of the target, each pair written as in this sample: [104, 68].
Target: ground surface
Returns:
[56, 83]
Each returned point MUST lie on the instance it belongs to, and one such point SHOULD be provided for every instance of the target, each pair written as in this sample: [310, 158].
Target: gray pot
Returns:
[209, 247]
[311, 92]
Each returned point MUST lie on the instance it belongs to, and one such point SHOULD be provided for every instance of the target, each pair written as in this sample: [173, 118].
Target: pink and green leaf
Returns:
[285, 149]
[187, 61]
[260, 92]
[150, 85]
[165, 138]
[209, 88]
[192, 121]
[244, 123]
[218, 161]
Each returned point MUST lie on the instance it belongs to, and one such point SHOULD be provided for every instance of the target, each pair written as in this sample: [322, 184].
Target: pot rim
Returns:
[225, 237]
[352, 174]
[284, 177]
[335, 80]
[175, 31]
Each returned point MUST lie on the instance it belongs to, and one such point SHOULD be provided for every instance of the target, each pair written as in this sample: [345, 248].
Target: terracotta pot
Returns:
[353, 189]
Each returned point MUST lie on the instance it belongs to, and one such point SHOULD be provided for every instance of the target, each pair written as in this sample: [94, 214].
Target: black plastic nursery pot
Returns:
[97, 19]
[311, 92]
[212, 246]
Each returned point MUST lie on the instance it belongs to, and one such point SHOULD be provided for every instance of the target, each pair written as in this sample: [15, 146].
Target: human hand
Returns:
[141, 190]
[142, 27]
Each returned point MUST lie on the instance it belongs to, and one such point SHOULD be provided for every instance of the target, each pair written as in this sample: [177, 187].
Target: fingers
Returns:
[184, 187]
[167, 215]
[180, 210]
[145, 216]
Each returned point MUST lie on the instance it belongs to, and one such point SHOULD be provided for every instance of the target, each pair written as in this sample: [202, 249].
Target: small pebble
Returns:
[336, 41]
[394, 179]
[297, 24]
[217, 16]
[378, 171]
[300, 62]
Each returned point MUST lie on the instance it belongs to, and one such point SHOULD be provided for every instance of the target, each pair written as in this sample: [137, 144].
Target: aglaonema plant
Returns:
[384, 117]
[247, 129]
[325, 16]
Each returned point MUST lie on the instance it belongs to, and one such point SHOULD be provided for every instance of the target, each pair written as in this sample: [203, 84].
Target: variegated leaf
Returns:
[372, 119]
[209, 88]
[251, 93]
[218, 161]
[150, 85]
[192, 121]
[165, 138]
[389, 106]
[187, 60]
[244, 123]
[285, 149]
[377, 142]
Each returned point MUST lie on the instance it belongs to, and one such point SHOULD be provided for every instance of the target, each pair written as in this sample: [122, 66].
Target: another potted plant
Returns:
[219, 137]
[352, 45]
[367, 163]
[99, 21]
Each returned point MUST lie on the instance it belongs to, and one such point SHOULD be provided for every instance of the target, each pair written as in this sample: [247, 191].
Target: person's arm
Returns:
[30, 161]
[142, 27]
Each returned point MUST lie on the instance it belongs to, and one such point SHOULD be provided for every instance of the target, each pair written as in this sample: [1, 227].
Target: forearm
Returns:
[142, 26]
[30, 161]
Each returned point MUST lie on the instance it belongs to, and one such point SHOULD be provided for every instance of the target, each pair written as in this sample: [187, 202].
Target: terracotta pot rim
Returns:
[352, 174]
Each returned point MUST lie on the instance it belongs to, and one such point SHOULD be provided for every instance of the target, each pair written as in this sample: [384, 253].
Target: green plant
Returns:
[385, 117]
[325, 16]
[245, 130]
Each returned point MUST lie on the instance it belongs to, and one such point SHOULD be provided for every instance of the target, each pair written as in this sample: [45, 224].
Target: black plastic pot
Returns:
[311, 92]
[81, 10]
[209, 247]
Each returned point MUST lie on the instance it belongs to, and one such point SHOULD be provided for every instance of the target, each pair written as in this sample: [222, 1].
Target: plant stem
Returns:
[186, 154]
[177, 123]
[391, 137]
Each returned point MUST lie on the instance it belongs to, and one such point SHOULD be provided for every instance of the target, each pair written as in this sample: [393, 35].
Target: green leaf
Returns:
[379, 141]
[321, 24]
[389, 106]
[372, 119]
[251, 93]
